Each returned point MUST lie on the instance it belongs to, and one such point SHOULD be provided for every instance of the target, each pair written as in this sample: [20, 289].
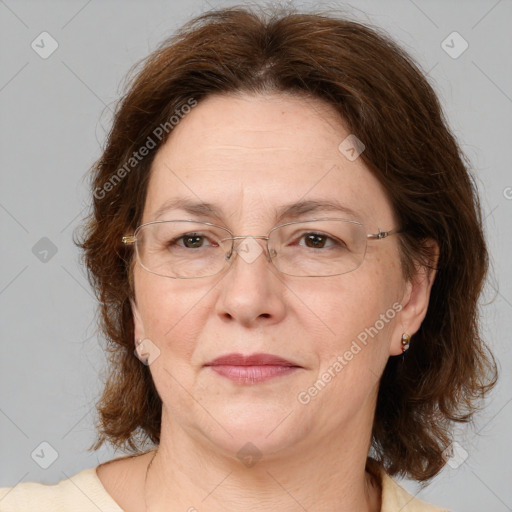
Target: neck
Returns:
[187, 474]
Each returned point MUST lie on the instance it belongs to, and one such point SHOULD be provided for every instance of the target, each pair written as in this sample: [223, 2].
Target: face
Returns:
[251, 156]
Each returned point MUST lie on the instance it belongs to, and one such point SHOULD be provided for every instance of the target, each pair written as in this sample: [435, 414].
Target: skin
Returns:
[250, 154]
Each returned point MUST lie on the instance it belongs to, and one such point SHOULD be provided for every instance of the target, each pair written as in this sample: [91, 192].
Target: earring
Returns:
[406, 339]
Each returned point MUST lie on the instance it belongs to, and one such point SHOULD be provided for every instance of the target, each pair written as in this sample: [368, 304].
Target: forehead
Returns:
[252, 154]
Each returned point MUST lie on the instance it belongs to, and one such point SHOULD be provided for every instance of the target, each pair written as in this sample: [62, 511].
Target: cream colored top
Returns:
[84, 492]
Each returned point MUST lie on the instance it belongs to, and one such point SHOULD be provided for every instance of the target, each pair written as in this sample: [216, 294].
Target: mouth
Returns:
[252, 369]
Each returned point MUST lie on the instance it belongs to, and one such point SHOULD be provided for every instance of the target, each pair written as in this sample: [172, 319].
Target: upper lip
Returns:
[250, 360]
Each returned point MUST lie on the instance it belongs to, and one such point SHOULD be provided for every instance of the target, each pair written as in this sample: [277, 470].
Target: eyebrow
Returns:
[285, 212]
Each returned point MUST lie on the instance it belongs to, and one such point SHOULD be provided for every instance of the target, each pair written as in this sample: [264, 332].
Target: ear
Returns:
[137, 321]
[415, 301]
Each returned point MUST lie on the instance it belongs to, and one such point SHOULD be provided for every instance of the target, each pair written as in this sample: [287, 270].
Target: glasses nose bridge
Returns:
[241, 237]
[236, 247]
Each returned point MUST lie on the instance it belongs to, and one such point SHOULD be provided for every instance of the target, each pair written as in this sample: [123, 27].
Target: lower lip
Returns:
[252, 374]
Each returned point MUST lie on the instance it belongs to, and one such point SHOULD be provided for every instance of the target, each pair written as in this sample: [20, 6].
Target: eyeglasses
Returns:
[186, 249]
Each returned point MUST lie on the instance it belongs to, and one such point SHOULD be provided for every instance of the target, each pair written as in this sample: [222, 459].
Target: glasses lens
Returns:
[318, 248]
[182, 249]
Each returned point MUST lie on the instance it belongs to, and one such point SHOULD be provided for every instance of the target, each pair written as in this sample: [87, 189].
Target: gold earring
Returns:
[406, 339]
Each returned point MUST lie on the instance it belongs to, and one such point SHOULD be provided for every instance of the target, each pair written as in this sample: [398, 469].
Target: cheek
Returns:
[173, 313]
[355, 301]
[359, 311]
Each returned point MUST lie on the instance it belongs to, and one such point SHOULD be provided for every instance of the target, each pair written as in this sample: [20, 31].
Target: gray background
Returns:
[54, 116]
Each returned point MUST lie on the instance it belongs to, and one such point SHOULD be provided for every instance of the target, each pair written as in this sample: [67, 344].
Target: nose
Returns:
[249, 247]
[252, 291]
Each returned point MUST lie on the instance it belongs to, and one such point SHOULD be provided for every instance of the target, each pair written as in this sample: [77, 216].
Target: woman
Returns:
[283, 230]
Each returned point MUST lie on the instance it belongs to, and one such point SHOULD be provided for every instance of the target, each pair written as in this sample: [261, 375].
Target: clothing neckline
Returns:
[392, 494]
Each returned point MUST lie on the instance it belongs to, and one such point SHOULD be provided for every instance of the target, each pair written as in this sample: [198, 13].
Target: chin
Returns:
[249, 446]
[254, 432]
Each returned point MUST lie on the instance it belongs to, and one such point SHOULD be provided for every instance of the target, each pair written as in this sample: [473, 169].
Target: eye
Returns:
[191, 241]
[320, 240]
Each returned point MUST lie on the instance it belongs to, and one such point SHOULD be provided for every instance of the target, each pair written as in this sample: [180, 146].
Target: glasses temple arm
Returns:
[383, 234]
[128, 239]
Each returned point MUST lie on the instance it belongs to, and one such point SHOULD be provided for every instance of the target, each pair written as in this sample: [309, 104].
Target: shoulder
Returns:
[82, 492]
[394, 497]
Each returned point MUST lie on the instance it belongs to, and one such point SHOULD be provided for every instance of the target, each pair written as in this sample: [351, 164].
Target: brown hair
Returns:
[387, 103]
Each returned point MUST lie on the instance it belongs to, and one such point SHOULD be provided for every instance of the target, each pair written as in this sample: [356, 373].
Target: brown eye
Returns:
[314, 240]
[320, 241]
[192, 241]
